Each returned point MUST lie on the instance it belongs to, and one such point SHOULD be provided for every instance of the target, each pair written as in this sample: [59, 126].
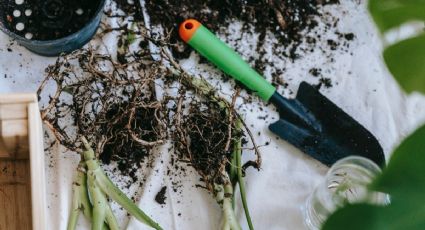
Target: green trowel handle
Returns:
[216, 51]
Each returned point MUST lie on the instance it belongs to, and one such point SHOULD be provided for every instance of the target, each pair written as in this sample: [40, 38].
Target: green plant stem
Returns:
[99, 203]
[75, 207]
[114, 193]
[233, 175]
[110, 219]
[80, 197]
[85, 205]
[227, 207]
[105, 185]
[73, 218]
[224, 196]
[238, 153]
[233, 169]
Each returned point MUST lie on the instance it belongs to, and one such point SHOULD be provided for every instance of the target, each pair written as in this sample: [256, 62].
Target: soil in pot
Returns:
[47, 20]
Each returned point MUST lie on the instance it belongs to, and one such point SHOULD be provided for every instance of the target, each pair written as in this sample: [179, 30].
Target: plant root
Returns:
[201, 136]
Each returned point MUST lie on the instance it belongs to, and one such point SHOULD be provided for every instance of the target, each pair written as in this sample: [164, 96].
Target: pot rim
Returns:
[59, 40]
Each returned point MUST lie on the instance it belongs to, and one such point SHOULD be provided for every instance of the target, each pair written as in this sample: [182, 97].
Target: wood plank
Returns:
[7, 202]
[18, 98]
[4, 153]
[38, 176]
[23, 183]
[23, 202]
[13, 111]
[14, 171]
[15, 127]
[15, 195]
[14, 139]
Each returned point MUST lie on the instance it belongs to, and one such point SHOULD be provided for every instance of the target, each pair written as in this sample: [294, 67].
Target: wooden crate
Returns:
[22, 176]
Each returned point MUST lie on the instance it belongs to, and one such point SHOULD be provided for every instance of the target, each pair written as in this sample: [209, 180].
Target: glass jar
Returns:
[346, 182]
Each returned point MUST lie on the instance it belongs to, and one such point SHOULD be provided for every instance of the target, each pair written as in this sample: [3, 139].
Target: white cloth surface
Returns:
[276, 194]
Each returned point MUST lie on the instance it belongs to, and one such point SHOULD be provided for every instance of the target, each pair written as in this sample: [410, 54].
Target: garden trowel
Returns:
[311, 122]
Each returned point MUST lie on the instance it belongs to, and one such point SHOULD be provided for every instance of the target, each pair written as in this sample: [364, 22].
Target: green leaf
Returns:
[404, 177]
[405, 173]
[404, 180]
[354, 217]
[368, 217]
[406, 61]
[392, 13]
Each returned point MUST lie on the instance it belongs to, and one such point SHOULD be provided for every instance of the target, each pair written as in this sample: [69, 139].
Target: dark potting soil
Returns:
[131, 8]
[287, 19]
[206, 126]
[47, 20]
[160, 196]
[121, 148]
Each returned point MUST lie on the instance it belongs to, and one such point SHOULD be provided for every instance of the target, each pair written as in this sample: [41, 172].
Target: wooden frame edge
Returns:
[18, 98]
[38, 184]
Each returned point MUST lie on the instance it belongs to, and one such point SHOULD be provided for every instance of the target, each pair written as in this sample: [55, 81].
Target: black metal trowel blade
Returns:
[321, 129]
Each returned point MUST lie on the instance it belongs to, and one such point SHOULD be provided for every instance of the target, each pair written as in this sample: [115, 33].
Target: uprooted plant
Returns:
[209, 134]
[212, 146]
[102, 108]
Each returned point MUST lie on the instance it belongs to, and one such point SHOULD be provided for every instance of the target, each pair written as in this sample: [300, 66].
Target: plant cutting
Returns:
[94, 111]
[403, 178]
[210, 138]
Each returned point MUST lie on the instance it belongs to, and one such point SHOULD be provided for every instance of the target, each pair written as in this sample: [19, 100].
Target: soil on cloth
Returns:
[287, 19]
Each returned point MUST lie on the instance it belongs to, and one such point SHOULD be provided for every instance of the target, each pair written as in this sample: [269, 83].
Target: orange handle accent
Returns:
[188, 28]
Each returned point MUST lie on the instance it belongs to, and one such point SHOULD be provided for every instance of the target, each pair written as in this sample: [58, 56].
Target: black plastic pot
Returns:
[54, 26]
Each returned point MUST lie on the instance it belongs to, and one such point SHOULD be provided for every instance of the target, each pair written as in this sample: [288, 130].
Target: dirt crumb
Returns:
[160, 196]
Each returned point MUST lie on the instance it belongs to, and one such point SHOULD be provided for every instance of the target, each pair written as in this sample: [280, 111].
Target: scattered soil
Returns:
[294, 29]
[315, 72]
[202, 131]
[112, 103]
[130, 8]
[48, 20]
[287, 19]
[160, 196]
[323, 81]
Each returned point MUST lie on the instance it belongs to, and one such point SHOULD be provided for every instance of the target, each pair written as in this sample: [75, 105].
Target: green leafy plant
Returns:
[404, 177]
[405, 59]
